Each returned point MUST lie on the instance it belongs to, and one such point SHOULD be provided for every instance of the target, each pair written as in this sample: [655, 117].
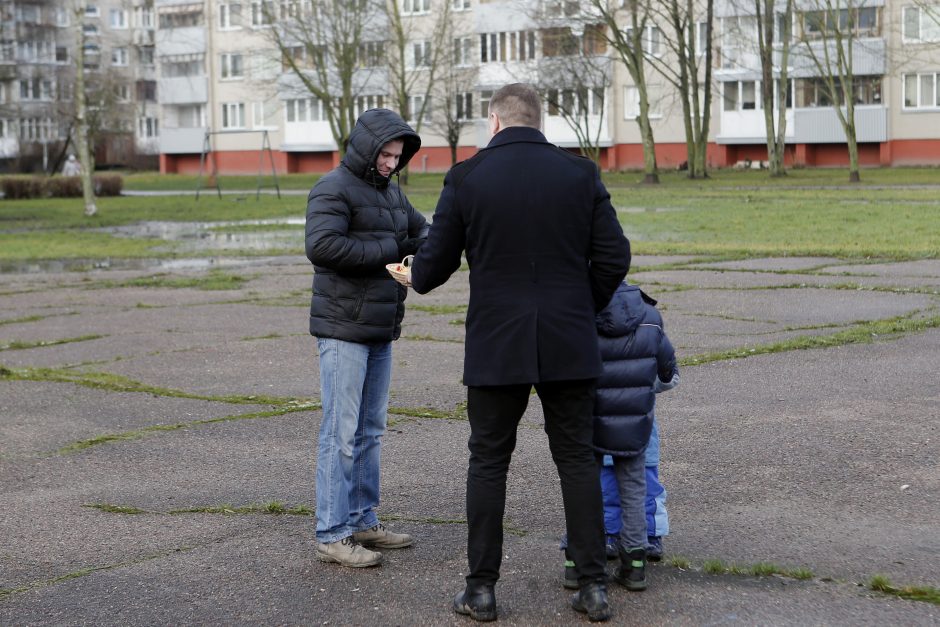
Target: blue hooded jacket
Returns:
[635, 351]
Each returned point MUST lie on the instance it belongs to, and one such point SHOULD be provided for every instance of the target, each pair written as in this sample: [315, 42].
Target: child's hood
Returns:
[624, 313]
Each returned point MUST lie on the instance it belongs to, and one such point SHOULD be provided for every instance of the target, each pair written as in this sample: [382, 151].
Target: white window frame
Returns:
[225, 16]
[262, 115]
[258, 18]
[918, 81]
[460, 5]
[463, 106]
[631, 104]
[233, 115]
[414, 104]
[924, 34]
[148, 127]
[91, 10]
[415, 7]
[701, 37]
[63, 17]
[463, 51]
[119, 56]
[144, 17]
[149, 59]
[420, 57]
[123, 92]
[117, 19]
[229, 64]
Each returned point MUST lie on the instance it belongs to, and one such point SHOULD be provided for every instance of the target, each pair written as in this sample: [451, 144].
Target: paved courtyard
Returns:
[157, 453]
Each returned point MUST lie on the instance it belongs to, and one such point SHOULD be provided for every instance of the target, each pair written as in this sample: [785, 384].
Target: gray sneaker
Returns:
[348, 552]
[381, 538]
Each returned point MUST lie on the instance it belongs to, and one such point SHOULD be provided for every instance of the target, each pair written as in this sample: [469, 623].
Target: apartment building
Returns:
[38, 42]
[219, 70]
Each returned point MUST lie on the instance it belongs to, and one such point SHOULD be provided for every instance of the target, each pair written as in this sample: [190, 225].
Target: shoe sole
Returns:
[334, 560]
[571, 584]
[594, 617]
[380, 545]
[632, 586]
[483, 617]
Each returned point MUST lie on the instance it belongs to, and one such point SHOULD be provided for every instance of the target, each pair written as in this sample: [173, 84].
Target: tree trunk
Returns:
[81, 123]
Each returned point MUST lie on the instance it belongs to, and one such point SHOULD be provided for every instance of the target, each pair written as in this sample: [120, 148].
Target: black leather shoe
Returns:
[591, 599]
[478, 602]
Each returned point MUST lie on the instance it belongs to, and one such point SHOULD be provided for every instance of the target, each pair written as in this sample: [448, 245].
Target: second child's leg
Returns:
[631, 479]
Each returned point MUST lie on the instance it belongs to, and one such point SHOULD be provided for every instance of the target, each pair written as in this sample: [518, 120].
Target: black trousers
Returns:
[494, 413]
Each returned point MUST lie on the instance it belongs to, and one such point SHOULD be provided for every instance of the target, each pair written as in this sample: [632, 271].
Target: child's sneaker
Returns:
[613, 546]
[654, 548]
[571, 576]
[632, 570]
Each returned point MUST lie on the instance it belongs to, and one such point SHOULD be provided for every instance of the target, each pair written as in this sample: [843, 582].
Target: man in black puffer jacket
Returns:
[357, 222]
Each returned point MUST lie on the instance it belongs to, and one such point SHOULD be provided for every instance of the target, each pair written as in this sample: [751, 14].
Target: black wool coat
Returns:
[355, 218]
[545, 251]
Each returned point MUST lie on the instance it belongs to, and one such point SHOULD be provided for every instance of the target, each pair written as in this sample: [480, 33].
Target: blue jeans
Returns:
[631, 481]
[354, 382]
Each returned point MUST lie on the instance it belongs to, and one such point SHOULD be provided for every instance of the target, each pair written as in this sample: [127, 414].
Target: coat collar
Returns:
[515, 134]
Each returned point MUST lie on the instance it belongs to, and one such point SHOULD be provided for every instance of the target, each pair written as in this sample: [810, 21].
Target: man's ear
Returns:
[494, 123]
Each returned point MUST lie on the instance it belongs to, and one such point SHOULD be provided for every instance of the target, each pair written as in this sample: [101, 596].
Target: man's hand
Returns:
[409, 246]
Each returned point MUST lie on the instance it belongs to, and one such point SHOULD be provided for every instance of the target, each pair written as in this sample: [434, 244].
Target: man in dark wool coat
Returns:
[546, 253]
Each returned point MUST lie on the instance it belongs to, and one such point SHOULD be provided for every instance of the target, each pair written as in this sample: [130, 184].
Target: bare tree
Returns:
[767, 18]
[321, 44]
[575, 73]
[689, 72]
[81, 112]
[453, 103]
[828, 40]
[628, 44]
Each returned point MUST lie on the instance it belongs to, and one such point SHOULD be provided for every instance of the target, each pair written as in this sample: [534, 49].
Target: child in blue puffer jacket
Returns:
[639, 361]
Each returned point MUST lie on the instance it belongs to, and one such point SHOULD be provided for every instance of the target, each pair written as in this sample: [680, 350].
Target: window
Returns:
[118, 18]
[35, 89]
[232, 66]
[262, 13]
[501, 47]
[575, 103]
[364, 103]
[413, 7]
[147, 127]
[920, 25]
[464, 109]
[188, 15]
[631, 104]
[739, 95]
[191, 116]
[922, 91]
[860, 21]
[415, 103]
[61, 54]
[461, 5]
[122, 92]
[370, 54]
[91, 10]
[701, 37]
[485, 103]
[230, 16]
[28, 13]
[90, 30]
[262, 115]
[183, 65]
[146, 91]
[233, 115]
[145, 55]
[144, 17]
[3, 128]
[304, 110]
[559, 42]
[62, 17]
[463, 50]
[421, 54]
[814, 92]
[118, 56]
[651, 40]
[37, 129]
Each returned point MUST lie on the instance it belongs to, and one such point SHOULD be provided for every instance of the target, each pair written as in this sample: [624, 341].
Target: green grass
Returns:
[213, 280]
[732, 215]
[20, 345]
[927, 594]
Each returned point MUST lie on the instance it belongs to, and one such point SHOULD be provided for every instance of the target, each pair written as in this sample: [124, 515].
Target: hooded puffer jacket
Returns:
[635, 350]
[355, 219]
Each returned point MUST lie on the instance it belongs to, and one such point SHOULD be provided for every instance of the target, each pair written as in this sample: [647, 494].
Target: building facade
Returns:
[215, 83]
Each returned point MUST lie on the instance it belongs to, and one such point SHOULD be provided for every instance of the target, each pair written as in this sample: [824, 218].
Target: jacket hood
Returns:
[374, 129]
[624, 313]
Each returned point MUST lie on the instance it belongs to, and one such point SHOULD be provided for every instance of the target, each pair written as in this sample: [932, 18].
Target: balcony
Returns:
[821, 125]
[180, 41]
[176, 141]
[183, 90]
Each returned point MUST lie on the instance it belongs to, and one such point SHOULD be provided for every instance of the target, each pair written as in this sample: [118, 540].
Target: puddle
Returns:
[183, 238]
[89, 265]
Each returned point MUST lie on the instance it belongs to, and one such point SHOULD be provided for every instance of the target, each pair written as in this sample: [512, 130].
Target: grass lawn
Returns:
[893, 214]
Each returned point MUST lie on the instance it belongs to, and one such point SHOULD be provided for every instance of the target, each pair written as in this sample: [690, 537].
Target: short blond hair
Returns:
[517, 104]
